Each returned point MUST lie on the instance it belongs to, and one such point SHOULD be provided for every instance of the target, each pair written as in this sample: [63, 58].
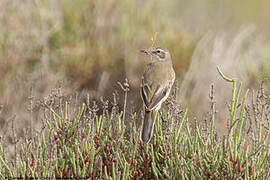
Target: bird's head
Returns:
[158, 53]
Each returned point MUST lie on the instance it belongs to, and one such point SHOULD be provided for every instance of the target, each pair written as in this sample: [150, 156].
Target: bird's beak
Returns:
[146, 51]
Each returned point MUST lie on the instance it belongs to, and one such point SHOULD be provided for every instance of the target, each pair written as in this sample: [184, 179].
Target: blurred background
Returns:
[87, 46]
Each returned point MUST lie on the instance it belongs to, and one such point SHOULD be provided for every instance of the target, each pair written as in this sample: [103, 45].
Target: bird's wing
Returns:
[153, 94]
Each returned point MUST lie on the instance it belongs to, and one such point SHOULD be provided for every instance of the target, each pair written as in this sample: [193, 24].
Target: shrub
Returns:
[107, 146]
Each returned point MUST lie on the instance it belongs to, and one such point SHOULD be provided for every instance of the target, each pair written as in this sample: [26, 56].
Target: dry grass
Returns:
[75, 142]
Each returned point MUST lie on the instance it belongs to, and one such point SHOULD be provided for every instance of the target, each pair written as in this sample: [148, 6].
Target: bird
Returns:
[156, 83]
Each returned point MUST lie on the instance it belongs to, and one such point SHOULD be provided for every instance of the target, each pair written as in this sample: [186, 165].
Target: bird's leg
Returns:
[164, 120]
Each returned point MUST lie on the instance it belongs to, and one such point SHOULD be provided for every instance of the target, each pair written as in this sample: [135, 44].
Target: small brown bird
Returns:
[157, 81]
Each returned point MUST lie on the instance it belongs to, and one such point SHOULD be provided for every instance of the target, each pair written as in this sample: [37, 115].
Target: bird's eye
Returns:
[158, 51]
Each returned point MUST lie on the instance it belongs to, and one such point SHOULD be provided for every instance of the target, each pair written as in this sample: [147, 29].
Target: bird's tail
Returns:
[148, 125]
